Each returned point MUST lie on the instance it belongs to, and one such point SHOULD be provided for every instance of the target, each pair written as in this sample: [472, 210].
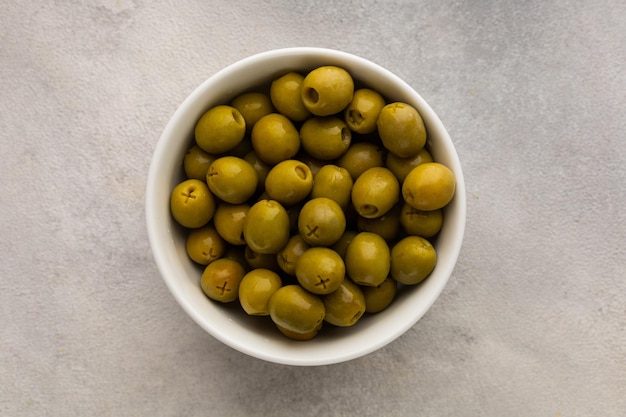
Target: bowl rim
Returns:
[155, 195]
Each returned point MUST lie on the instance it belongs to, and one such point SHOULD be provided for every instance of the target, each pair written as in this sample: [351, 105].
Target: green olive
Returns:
[367, 259]
[275, 138]
[344, 306]
[320, 270]
[380, 297]
[325, 138]
[429, 186]
[412, 260]
[296, 312]
[196, 163]
[321, 222]
[375, 192]
[221, 278]
[266, 229]
[402, 166]
[256, 289]
[341, 246]
[289, 255]
[253, 106]
[192, 204]
[256, 260]
[386, 226]
[334, 182]
[261, 168]
[362, 112]
[401, 129]
[360, 157]
[204, 245]
[232, 179]
[229, 220]
[289, 182]
[220, 129]
[327, 90]
[421, 223]
[285, 93]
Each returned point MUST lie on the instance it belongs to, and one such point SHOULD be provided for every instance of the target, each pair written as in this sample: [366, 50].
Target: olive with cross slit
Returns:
[321, 222]
[320, 270]
[192, 204]
[205, 245]
[221, 278]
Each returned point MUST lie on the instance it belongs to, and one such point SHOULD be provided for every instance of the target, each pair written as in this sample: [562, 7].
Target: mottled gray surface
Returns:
[533, 321]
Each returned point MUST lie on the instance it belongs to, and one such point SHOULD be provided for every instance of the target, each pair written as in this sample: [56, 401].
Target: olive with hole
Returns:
[192, 204]
[275, 138]
[402, 166]
[229, 220]
[334, 182]
[375, 192]
[266, 229]
[368, 259]
[381, 296]
[412, 260]
[196, 163]
[232, 179]
[289, 182]
[321, 222]
[220, 129]
[325, 138]
[204, 245]
[288, 256]
[401, 129]
[344, 306]
[360, 157]
[221, 278]
[286, 95]
[327, 90]
[297, 313]
[320, 270]
[256, 289]
[362, 112]
[386, 226]
[429, 186]
[252, 106]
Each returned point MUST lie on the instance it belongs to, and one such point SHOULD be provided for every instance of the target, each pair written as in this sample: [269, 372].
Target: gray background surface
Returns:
[533, 320]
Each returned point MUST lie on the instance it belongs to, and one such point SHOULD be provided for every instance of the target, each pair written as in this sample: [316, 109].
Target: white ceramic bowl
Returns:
[257, 336]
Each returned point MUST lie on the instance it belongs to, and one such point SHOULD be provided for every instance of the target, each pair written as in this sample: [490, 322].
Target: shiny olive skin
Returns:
[344, 306]
[289, 182]
[297, 313]
[386, 226]
[375, 192]
[412, 260]
[402, 166]
[232, 179]
[196, 163]
[192, 204]
[421, 223]
[325, 138]
[380, 297]
[367, 259]
[334, 182]
[401, 129]
[362, 112]
[429, 186]
[266, 229]
[320, 270]
[252, 106]
[275, 138]
[221, 278]
[229, 220]
[327, 90]
[286, 95]
[256, 289]
[204, 245]
[256, 260]
[288, 256]
[220, 129]
[321, 222]
[360, 157]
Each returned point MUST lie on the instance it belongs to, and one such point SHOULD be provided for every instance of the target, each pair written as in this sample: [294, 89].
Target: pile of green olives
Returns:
[312, 200]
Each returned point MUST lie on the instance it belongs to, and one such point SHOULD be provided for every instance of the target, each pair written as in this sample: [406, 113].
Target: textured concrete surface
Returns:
[533, 321]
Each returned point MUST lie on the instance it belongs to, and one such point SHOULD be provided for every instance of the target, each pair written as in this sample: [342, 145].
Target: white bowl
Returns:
[257, 336]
